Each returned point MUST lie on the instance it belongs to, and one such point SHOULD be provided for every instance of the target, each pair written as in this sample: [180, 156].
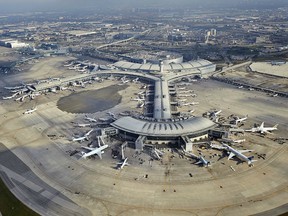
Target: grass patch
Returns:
[10, 205]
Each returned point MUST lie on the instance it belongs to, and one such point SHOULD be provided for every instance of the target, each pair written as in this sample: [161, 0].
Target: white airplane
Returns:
[111, 114]
[29, 111]
[99, 151]
[183, 95]
[140, 105]
[90, 119]
[7, 98]
[233, 141]
[215, 113]
[238, 154]
[218, 147]
[81, 70]
[104, 119]
[158, 153]
[239, 120]
[141, 93]
[124, 80]
[123, 163]
[190, 104]
[135, 80]
[85, 137]
[203, 161]
[13, 88]
[68, 65]
[184, 92]
[83, 125]
[182, 100]
[138, 99]
[263, 129]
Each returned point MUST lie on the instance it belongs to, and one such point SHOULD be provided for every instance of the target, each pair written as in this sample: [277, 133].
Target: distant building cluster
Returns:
[11, 43]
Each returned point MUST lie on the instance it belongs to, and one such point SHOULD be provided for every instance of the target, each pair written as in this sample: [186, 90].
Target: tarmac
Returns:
[40, 171]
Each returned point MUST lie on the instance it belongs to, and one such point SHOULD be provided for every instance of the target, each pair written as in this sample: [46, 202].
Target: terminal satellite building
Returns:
[163, 127]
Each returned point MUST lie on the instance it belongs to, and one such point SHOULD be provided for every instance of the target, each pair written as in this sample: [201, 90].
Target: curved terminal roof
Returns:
[175, 128]
[198, 64]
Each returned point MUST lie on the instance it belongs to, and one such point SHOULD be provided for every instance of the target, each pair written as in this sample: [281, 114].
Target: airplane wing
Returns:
[243, 151]
[198, 162]
[95, 151]
[231, 155]
[88, 148]
[89, 132]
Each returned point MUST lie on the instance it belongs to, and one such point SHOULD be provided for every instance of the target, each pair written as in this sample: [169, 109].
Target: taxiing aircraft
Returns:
[123, 163]
[99, 151]
[202, 161]
[29, 111]
[238, 154]
[262, 129]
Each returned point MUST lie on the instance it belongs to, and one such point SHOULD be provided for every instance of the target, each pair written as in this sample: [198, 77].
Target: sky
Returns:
[64, 5]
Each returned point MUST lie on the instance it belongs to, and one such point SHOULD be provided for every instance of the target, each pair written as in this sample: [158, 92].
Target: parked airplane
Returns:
[85, 137]
[215, 114]
[124, 80]
[141, 93]
[190, 104]
[239, 120]
[135, 80]
[138, 99]
[99, 151]
[123, 163]
[275, 95]
[83, 125]
[181, 88]
[112, 115]
[203, 161]
[238, 154]
[158, 153]
[68, 65]
[7, 98]
[140, 104]
[262, 129]
[233, 141]
[29, 111]
[182, 100]
[90, 119]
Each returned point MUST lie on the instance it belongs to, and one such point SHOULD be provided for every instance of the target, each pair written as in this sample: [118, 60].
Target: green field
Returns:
[10, 205]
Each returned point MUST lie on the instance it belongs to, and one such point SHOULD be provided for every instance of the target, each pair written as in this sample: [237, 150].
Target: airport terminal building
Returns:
[162, 132]
[163, 127]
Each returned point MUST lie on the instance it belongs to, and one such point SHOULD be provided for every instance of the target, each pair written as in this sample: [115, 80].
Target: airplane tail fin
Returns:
[251, 159]
[83, 155]
[99, 154]
[275, 126]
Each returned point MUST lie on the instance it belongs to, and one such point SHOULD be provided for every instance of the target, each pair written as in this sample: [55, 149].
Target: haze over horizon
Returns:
[66, 5]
